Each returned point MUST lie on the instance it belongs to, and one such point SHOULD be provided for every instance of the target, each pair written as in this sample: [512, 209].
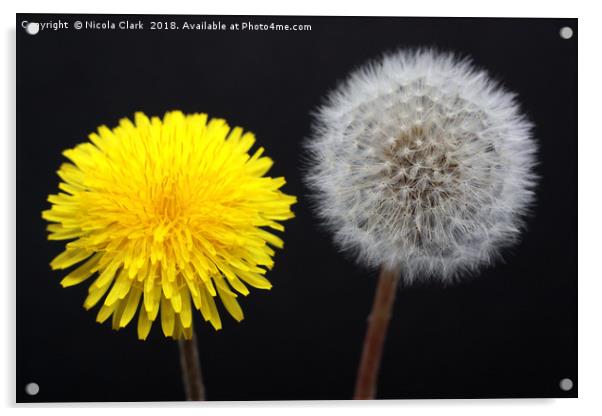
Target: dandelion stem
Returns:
[191, 369]
[378, 322]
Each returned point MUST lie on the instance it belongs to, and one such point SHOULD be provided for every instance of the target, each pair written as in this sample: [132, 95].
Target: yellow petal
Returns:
[105, 311]
[233, 279]
[95, 294]
[107, 275]
[152, 314]
[166, 286]
[255, 280]
[209, 310]
[167, 317]
[118, 313]
[186, 313]
[187, 332]
[176, 301]
[122, 282]
[144, 324]
[69, 257]
[231, 304]
[82, 273]
[131, 306]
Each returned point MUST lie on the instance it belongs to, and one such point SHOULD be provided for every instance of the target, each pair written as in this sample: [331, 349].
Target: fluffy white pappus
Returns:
[419, 160]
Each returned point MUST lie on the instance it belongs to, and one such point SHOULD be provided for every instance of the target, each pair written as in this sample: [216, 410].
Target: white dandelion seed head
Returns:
[421, 161]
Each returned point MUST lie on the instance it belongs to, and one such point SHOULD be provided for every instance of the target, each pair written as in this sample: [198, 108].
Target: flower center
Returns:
[419, 164]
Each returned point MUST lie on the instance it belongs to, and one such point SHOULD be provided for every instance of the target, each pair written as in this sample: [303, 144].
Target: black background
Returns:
[511, 332]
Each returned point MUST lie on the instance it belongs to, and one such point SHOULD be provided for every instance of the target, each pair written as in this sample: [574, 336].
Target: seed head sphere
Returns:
[421, 161]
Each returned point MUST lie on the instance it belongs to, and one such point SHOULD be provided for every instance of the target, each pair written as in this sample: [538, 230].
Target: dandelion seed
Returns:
[457, 181]
[456, 148]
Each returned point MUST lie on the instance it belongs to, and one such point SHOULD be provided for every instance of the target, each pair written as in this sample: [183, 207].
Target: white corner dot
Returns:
[32, 389]
[32, 28]
[566, 384]
[566, 32]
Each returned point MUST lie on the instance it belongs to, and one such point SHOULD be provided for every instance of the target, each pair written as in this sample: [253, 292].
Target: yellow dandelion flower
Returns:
[168, 215]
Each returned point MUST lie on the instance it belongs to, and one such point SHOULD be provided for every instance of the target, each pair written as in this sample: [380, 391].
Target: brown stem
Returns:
[191, 369]
[378, 322]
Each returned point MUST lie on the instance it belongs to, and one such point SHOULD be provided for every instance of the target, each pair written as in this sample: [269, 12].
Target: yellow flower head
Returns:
[167, 213]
